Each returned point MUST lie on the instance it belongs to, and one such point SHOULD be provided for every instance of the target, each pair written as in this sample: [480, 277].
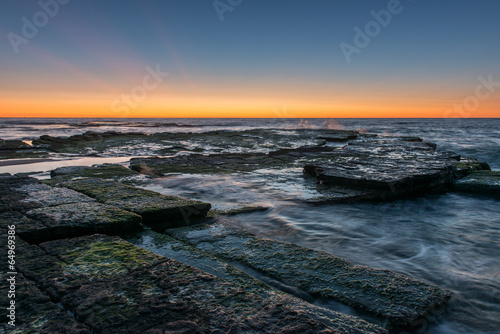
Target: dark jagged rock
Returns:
[31, 310]
[27, 229]
[114, 287]
[465, 166]
[17, 149]
[300, 151]
[157, 210]
[145, 170]
[81, 143]
[237, 211]
[339, 136]
[480, 183]
[395, 297]
[13, 145]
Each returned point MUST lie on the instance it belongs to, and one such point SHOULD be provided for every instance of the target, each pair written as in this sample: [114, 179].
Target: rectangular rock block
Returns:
[41, 212]
[397, 298]
[114, 287]
[157, 210]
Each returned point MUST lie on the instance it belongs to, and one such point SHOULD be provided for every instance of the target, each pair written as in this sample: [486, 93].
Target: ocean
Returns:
[452, 239]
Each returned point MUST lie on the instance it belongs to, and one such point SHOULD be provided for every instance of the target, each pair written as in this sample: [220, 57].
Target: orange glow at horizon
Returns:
[100, 106]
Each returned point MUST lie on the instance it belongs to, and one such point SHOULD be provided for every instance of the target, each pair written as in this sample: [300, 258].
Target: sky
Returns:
[250, 58]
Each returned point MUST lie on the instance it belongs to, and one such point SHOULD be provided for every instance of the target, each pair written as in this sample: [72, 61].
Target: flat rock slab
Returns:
[69, 220]
[41, 212]
[114, 287]
[481, 183]
[395, 297]
[105, 171]
[198, 163]
[157, 210]
[172, 248]
[386, 168]
[35, 312]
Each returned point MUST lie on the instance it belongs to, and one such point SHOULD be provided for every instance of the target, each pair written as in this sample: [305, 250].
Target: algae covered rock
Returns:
[26, 228]
[34, 311]
[114, 287]
[157, 210]
[105, 171]
[69, 220]
[395, 297]
[481, 183]
[172, 248]
[41, 212]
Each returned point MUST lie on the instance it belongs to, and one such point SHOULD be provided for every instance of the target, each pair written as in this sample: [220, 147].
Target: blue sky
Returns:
[279, 51]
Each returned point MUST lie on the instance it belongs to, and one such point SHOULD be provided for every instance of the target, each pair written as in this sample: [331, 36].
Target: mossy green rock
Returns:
[481, 183]
[157, 210]
[27, 229]
[398, 298]
[114, 287]
[41, 212]
[69, 220]
[35, 312]
[105, 171]
[172, 248]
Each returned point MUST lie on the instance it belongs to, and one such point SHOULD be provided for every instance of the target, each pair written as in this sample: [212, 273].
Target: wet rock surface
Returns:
[214, 278]
[382, 169]
[41, 212]
[112, 286]
[395, 297]
[480, 183]
[172, 248]
[167, 144]
[16, 149]
[159, 211]
[87, 143]
[105, 171]
[214, 163]
[36, 313]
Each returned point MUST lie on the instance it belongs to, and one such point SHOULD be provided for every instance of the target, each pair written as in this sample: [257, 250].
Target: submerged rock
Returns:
[394, 297]
[157, 210]
[114, 287]
[480, 183]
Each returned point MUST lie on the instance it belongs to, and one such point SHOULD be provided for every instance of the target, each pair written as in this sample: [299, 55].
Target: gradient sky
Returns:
[279, 58]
